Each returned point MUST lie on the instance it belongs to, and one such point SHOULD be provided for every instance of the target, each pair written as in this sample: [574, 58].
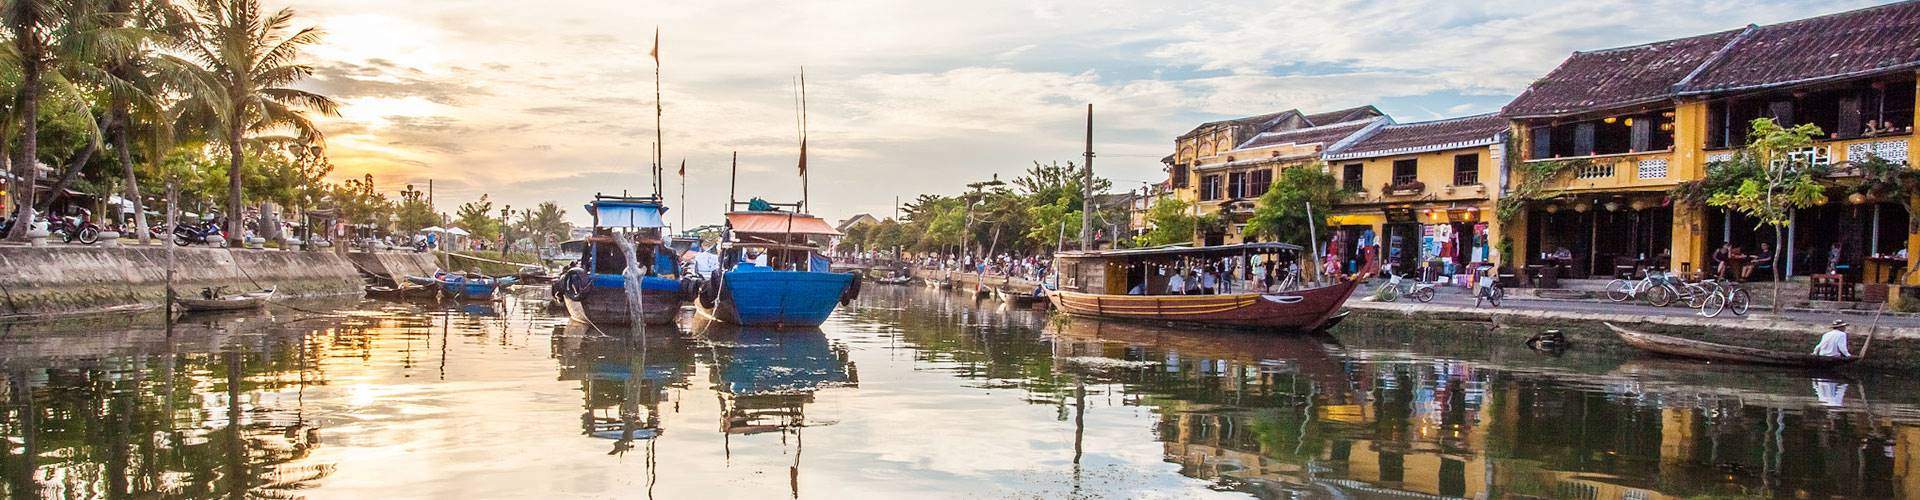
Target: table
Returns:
[1883, 270]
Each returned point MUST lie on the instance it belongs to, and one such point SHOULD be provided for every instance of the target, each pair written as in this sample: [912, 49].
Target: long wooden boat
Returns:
[1091, 278]
[1695, 349]
[230, 302]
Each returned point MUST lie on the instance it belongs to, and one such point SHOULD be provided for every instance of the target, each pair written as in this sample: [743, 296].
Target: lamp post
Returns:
[505, 212]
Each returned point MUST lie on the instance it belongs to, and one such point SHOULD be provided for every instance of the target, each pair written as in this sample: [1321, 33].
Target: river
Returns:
[908, 393]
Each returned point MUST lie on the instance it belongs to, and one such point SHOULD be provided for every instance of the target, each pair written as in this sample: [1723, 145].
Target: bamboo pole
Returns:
[1871, 331]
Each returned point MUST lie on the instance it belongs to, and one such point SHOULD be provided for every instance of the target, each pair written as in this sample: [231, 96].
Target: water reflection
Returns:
[909, 392]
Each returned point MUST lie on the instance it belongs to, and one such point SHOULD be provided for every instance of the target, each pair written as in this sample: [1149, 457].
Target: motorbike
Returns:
[71, 229]
[191, 233]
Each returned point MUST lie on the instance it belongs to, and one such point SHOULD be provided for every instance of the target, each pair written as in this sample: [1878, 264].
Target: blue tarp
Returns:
[628, 214]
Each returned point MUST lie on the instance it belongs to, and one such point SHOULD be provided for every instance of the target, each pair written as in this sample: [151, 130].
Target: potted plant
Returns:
[1405, 188]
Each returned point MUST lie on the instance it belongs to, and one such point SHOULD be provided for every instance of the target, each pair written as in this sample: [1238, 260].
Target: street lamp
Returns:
[505, 212]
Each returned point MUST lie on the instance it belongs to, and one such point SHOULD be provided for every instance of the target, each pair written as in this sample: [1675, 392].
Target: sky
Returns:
[553, 100]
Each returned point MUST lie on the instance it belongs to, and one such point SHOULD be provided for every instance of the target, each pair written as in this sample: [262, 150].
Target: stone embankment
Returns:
[66, 280]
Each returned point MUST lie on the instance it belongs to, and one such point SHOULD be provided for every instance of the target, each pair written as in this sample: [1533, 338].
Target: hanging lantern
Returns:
[1629, 122]
[1582, 207]
[1857, 199]
[1610, 119]
[1552, 209]
[1638, 205]
[1820, 202]
[1612, 206]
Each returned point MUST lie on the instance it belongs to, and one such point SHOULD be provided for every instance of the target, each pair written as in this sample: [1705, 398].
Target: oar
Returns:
[1871, 331]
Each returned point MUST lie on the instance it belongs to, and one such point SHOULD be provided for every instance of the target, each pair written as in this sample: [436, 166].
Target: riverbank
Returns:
[70, 280]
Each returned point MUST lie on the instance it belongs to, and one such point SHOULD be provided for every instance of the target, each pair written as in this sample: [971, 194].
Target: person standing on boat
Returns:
[1207, 280]
[1834, 342]
[1177, 284]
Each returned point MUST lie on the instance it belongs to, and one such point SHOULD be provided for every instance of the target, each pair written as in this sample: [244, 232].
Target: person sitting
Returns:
[1873, 128]
[1834, 342]
[1759, 260]
[1719, 258]
[1139, 289]
[1736, 264]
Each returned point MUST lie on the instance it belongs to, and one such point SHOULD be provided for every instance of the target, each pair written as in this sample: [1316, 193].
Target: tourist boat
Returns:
[773, 273]
[595, 291]
[1695, 349]
[212, 299]
[1094, 283]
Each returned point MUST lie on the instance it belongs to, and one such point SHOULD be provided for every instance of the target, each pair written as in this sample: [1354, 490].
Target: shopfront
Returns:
[1601, 236]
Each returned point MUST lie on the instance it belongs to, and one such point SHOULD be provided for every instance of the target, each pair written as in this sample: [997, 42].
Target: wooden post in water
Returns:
[173, 224]
[1086, 188]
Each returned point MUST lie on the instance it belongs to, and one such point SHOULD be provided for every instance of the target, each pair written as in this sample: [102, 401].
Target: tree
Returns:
[478, 218]
[1281, 213]
[413, 213]
[1784, 182]
[249, 59]
[545, 223]
[30, 22]
[1171, 223]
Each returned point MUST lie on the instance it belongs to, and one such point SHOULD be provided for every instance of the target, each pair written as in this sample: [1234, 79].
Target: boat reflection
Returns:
[624, 377]
[766, 376]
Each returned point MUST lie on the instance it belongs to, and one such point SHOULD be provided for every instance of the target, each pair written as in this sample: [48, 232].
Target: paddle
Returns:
[1871, 331]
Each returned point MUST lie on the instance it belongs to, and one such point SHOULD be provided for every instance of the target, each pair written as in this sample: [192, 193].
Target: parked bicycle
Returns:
[1725, 297]
[1622, 290]
[1671, 289]
[1487, 288]
[1398, 286]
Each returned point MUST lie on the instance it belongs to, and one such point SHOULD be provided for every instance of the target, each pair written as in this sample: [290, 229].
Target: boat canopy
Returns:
[627, 214]
[1187, 251]
[779, 223]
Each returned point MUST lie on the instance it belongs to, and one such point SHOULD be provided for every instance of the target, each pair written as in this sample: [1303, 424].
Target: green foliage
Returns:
[1534, 177]
[478, 217]
[1281, 213]
[412, 212]
[1172, 223]
[359, 202]
[545, 224]
[1723, 176]
[1776, 182]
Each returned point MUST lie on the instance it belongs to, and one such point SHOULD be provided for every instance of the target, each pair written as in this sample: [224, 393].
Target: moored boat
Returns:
[470, 286]
[1017, 299]
[1697, 349]
[405, 290]
[1096, 283]
[212, 299]
[595, 292]
[773, 273]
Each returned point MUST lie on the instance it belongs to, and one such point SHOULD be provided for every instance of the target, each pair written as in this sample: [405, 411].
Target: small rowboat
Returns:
[896, 280]
[1017, 299]
[208, 301]
[1675, 346]
[405, 290]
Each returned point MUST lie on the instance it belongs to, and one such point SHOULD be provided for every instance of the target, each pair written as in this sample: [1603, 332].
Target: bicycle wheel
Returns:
[1712, 306]
[1494, 293]
[1619, 290]
[1697, 296]
[1661, 296]
[1739, 301]
[1423, 295]
[1390, 293]
[89, 235]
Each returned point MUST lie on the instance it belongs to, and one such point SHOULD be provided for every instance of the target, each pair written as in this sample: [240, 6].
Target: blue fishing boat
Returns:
[470, 286]
[773, 273]
[594, 290]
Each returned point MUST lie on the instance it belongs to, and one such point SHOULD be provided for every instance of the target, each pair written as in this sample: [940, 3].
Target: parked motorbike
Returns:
[190, 233]
[71, 229]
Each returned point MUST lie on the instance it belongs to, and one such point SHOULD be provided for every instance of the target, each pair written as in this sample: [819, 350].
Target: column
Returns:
[1913, 239]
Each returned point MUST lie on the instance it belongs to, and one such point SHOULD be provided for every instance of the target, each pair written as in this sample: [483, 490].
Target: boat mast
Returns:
[803, 139]
[659, 143]
[1086, 189]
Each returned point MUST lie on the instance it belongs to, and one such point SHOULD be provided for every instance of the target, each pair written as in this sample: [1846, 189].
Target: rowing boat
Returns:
[1675, 346]
[231, 302]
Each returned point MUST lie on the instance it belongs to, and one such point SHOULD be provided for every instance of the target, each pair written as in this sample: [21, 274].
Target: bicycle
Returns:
[1724, 297]
[1398, 286]
[1622, 290]
[1488, 289]
[1670, 289]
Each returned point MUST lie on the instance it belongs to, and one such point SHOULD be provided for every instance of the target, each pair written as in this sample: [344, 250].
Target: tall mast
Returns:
[803, 140]
[1086, 188]
[733, 182]
[659, 148]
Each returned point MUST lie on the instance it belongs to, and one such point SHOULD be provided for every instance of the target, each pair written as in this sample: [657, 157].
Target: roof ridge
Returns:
[1842, 13]
[1489, 114]
[1714, 58]
[1656, 42]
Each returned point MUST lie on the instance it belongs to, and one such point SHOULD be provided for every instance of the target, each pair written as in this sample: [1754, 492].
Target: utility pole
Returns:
[506, 224]
[1086, 188]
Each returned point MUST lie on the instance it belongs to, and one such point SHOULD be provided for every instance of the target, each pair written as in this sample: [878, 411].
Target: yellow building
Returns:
[1607, 136]
[1221, 167]
[1423, 192]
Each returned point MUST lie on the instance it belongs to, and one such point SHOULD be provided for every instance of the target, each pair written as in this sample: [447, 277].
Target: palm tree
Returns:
[147, 74]
[28, 21]
[250, 58]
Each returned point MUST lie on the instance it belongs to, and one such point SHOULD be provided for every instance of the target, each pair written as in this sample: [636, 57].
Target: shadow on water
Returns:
[911, 390]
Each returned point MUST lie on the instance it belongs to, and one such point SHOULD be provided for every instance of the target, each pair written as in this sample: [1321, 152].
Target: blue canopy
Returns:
[627, 214]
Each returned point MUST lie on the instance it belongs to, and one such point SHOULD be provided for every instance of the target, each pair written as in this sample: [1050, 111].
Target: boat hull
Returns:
[777, 298]
[607, 305]
[1695, 349]
[1303, 310]
[236, 303]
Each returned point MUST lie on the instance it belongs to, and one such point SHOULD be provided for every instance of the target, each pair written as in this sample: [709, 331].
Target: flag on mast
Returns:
[656, 44]
[803, 156]
[683, 167]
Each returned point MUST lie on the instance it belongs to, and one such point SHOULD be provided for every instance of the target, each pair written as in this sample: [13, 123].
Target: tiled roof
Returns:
[1865, 41]
[1262, 120]
[1344, 115]
[1409, 138]
[1625, 76]
[1326, 134]
[1849, 44]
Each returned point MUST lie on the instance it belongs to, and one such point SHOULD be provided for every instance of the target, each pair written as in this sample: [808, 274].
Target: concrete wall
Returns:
[394, 265]
[72, 280]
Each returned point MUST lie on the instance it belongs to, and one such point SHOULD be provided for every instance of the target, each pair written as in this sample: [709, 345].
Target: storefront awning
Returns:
[1356, 219]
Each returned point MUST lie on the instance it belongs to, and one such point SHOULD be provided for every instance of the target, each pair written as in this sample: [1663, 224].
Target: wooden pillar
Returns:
[1913, 239]
[1689, 163]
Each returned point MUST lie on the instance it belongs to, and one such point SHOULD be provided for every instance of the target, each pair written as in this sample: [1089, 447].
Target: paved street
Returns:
[1459, 298]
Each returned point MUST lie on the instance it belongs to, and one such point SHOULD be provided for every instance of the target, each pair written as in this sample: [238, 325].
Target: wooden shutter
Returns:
[1642, 134]
[1542, 141]
[1583, 139]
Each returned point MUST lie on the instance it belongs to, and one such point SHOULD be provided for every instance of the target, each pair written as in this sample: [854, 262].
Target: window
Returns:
[1629, 133]
[1350, 177]
[1405, 171]
[1841, 113]
[1237, 185]
[1258, 182]
[1466, 169]
[1179, 176]
[1209, 188]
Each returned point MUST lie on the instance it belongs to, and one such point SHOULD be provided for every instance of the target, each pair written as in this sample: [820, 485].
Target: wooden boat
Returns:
[470, 286]
[1093, 284]
[773, 273]
[210, 299]
[405, 290]
[596, 292]
[1695, 349]
[896, 280]
[1017, 299]
[535, 275]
